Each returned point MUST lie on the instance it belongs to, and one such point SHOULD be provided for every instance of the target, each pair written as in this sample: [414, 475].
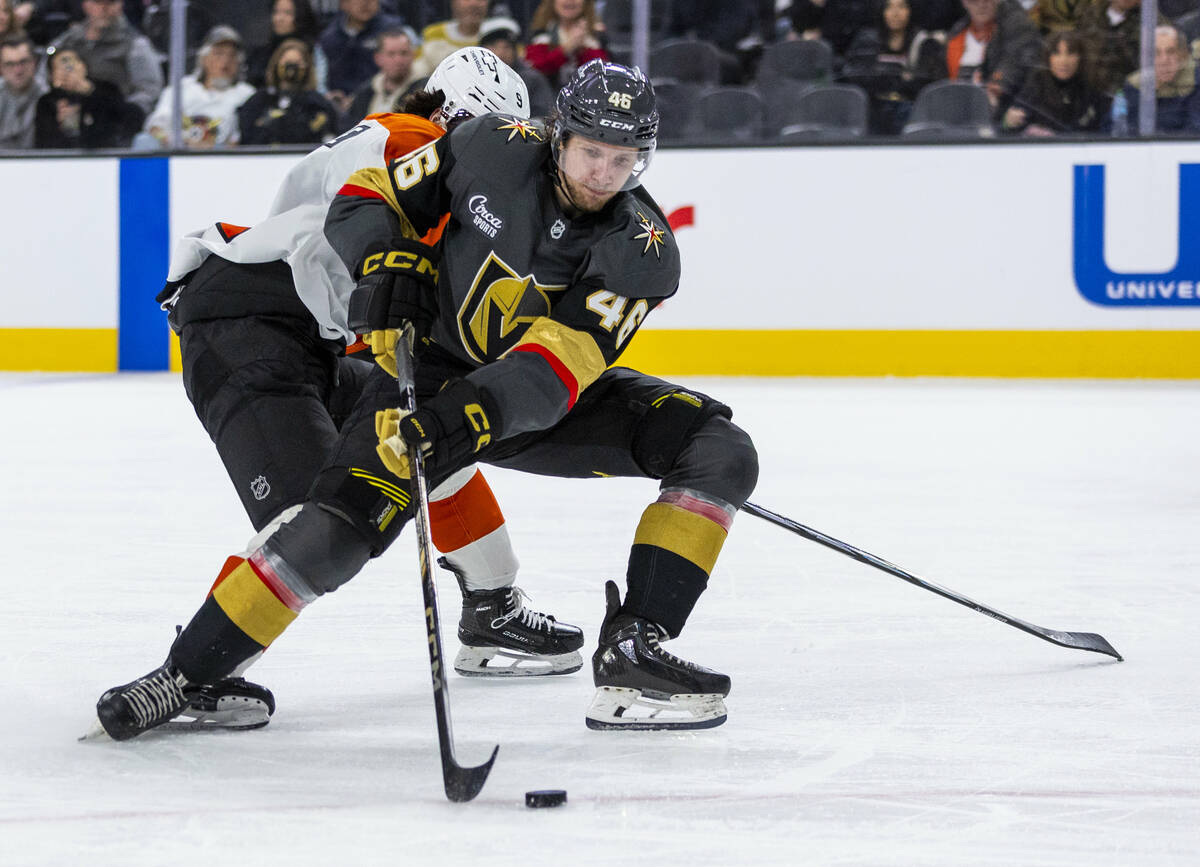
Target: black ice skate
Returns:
[166, 697]
[502, 638]
[639, 686]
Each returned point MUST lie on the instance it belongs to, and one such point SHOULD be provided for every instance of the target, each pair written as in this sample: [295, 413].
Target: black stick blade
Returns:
[1085, 641]
[463, 784]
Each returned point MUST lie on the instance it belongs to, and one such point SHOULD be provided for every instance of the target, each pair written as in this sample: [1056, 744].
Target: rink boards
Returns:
[1059, 260]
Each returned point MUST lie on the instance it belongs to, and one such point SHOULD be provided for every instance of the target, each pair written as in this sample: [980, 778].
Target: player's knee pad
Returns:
[668, 426]
[377, 505]
[320, 548]
[719, 459]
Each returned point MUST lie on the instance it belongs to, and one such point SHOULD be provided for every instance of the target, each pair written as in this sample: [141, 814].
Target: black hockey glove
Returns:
[447, 428]
[395, 287]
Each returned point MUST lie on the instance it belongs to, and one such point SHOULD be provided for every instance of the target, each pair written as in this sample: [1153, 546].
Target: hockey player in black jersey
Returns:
[551, 258]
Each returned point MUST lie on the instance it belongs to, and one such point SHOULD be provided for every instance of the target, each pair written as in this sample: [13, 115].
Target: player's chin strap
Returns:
[558, 182]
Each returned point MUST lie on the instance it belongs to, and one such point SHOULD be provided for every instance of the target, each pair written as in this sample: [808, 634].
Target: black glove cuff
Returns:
[458, 421]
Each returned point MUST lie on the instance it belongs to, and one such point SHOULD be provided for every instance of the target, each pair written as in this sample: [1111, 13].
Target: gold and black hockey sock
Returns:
[249, 606]
[674, 550]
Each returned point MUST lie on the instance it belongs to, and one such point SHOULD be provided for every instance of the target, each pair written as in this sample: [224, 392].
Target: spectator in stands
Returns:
[1112, 36]
[566, 35]
[994, 45]
[349, 43]
[20, 88]
[82, 112]
[1177, 97]
[835, 21]
[290, 19]
[1058, 97]
[503, 37]
[114, 51]
[892, 61]
[289, 110]
[211, 97]
[10, 23]
[1053, 16]
[442, 38]
[394, 59]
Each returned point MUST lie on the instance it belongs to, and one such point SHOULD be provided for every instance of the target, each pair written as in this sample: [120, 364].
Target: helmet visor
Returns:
[601, 167]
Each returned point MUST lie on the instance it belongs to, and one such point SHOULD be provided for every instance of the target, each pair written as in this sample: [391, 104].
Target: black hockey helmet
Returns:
[608, 103]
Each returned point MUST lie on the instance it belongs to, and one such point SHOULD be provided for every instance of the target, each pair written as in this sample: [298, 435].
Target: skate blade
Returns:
[616, 708]
[95, 733]
[238, 717]
[499, 662]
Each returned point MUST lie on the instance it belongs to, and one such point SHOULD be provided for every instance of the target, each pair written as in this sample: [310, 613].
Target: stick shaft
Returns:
[461, 783]
[1077, 640]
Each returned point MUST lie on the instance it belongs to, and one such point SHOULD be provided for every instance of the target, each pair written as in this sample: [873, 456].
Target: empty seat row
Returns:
[786, 109]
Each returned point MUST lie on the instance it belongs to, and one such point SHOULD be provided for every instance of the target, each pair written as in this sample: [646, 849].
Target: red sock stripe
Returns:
[271, 580]
[231, 563]
[560, 370]
[697, 506]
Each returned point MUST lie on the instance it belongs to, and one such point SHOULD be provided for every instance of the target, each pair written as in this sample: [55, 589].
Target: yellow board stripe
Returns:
[1089, 354]
[250, 604]
[75, 350]
[691, 536]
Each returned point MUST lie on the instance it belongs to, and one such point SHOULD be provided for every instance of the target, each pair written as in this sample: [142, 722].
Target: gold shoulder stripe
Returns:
[379, 180]
[577, 350]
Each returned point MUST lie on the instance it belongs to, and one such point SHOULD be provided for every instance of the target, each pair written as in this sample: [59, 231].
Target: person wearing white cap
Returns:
[211, 97]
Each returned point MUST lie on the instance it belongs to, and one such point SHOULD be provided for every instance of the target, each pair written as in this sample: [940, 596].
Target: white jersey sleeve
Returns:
[293, 230]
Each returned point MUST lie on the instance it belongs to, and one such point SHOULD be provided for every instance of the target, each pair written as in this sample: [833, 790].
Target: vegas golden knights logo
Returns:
[499, 308]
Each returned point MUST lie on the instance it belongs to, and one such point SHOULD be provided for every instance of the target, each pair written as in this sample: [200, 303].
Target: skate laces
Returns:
[154, 697]
[653, 640]
[527, 616]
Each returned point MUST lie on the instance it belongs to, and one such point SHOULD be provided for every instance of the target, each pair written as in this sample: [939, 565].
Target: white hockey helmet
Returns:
[475, 81]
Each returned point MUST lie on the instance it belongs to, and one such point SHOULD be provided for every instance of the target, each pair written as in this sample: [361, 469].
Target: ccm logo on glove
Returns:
[399, 260]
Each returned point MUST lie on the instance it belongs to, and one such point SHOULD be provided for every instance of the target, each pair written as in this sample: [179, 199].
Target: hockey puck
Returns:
[546, 798]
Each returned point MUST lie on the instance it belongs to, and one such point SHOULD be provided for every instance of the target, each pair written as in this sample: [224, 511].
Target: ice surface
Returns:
[871, 722]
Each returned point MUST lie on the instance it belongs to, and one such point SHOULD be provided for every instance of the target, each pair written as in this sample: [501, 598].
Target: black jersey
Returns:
[540, 303]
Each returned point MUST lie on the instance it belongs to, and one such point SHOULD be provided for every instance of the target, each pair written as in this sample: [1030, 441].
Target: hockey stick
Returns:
[462, 783]
[1078, 640]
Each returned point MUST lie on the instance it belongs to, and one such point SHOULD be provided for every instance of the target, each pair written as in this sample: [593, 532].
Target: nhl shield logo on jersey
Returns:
[499, 307]
[517, 126]
[651, 234]
[260, 487]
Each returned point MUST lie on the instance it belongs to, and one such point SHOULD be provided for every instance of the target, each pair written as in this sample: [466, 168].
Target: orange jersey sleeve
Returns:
[406, 133]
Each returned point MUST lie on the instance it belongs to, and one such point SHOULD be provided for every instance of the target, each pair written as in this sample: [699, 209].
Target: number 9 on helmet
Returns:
[612, 104]
[474, 81]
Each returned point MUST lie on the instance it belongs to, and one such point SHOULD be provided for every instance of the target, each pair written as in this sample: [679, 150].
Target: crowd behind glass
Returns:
[92, 73]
